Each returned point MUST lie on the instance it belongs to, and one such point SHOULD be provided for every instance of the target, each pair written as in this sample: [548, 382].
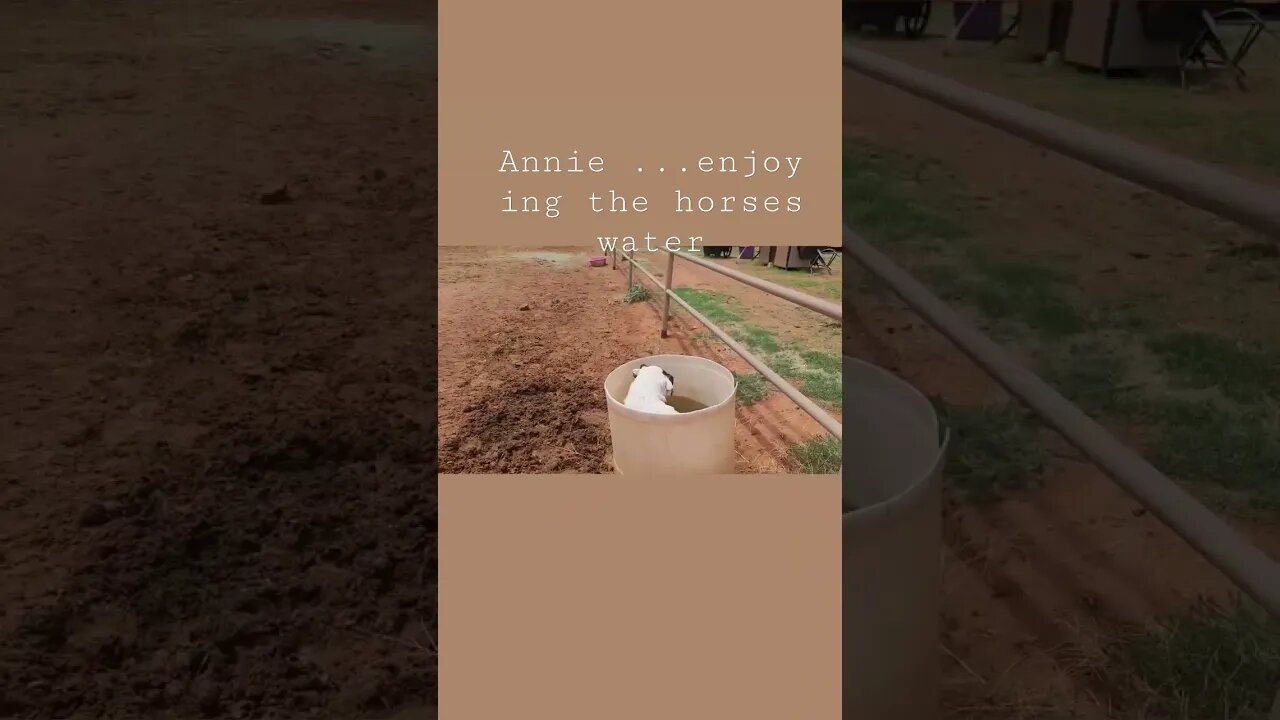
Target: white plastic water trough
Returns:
[690, 443]
[894, 453]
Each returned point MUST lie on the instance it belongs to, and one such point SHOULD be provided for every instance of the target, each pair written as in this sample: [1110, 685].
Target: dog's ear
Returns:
[636, 372]
[670, 378]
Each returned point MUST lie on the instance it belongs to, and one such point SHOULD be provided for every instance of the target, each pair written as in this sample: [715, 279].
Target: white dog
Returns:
[650, 389]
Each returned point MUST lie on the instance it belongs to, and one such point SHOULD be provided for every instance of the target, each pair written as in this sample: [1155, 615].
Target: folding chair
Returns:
[823, 258]
[1194, 28]
[1210, 35]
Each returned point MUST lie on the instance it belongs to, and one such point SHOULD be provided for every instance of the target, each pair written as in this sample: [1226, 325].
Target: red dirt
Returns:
[521, 390]
[216, 491]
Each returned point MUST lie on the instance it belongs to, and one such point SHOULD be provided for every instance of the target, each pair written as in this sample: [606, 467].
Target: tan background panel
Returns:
[588, 597]
[649, 85]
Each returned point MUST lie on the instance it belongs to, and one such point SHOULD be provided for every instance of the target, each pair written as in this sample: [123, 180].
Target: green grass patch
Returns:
[1029, 293]
[1236, 449]
[786, 366]
[1022, 292]
[1204, 664]
[818, 375]
[713, 306]
[1032, 303]
[1092, 375]
[824, 362]
[1230, 448]
[759, 340]
[1201, 360]
[879, 199]
[637, 293]
[994, 448]
[824, 386]
[819, 456]
[752, 388]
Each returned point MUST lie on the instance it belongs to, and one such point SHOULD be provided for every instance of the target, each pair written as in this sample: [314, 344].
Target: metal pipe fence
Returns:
[826, 307]
[832, 310]
[1250, 204]
[1247, 203]
[1246, 565]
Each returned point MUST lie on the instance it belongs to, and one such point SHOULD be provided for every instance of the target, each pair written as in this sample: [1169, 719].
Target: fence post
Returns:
[614, 253]
[631, 269]
[666, 296]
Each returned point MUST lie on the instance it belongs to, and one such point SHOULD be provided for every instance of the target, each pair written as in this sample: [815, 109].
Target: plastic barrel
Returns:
[698, 442]
[894, 454]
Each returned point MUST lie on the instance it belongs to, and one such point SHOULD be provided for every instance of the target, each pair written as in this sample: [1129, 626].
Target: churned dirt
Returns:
[526, 340]
[216, 483]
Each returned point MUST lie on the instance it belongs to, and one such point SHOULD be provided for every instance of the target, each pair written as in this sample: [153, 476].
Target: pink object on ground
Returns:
[599, 261]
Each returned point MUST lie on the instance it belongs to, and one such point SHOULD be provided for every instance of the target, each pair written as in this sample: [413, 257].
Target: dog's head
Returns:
[657, 376]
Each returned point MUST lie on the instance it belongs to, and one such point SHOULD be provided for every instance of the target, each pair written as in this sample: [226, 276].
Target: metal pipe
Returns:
[1246, 565]
[823, 418]
[1250, 204]
[955, 32]
[666, 300]
[830, 309]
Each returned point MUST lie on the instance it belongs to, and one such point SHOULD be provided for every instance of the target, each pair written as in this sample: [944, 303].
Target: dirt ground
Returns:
[216, 491]
[1035, 582]
[527, 338]
[215, 359]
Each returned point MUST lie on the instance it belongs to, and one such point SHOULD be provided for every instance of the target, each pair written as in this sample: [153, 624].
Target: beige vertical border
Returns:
[617, 597]
[577, 597]
[646, 87]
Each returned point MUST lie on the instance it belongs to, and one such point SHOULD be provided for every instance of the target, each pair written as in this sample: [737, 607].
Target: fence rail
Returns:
[830, 309]
[1246, 565]
[1250, 204]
